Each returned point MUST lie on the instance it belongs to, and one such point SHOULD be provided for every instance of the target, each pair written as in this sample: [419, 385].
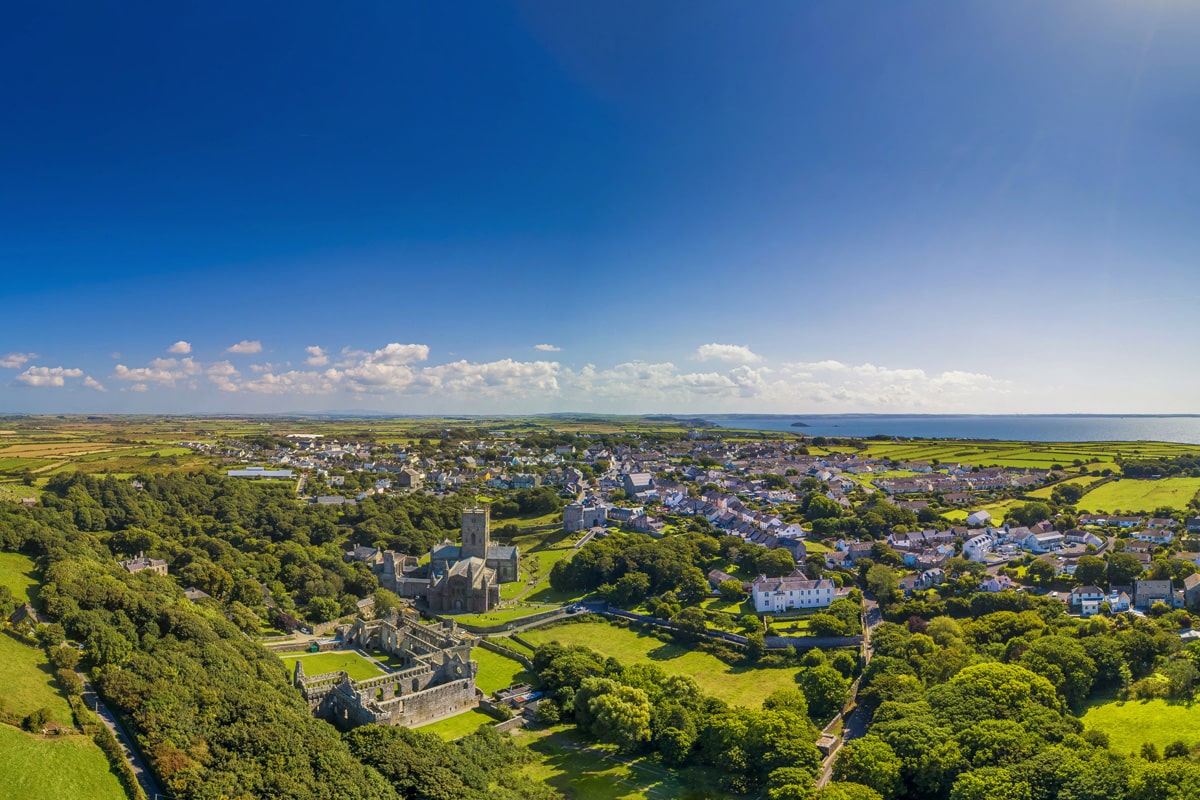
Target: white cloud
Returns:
[138, 387]
[92, 383]
[48, 376]
[727, 352]
[316, 356]
[181, 348]
[245, 347]
[165, 371]
[16, 360]
[547, 348]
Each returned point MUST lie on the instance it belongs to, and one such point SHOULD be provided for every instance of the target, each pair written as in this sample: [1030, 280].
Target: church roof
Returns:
[502, 552]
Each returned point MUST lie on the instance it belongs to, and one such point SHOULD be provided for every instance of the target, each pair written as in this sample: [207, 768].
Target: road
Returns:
[144, 777]
[854, 725]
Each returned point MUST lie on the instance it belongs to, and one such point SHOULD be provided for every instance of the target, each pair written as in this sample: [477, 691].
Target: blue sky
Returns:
[693, 206]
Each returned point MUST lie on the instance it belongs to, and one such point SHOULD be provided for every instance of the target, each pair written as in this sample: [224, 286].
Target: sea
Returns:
[1018, 428]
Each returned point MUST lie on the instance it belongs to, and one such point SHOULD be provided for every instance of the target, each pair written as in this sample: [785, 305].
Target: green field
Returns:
[17, 572]
[1085, 482]
[496, 671]
[354, 665]
[1129, 494]
[53, 768]
[582, 770]
[459, 725]
[1131, 723]
[745, 686]
[27, 681]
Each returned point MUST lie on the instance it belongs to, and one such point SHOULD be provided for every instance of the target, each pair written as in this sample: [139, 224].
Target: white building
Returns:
[1042, 542]
[795, 591]
[977, 547]
[980, 517]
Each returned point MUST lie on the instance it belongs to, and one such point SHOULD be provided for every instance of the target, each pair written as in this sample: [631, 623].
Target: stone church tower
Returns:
[476, 534]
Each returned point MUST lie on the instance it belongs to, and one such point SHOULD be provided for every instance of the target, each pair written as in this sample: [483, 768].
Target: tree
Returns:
[882, 581]
[871, 762]
[1067, 494]
[818, 506]
[1041, 572]
[792, 700]
[1030, 513]
[691, 622]
[731, 590]
[776, 563]
[1123, 568]
[1090, 571]
[107, 646]
[989, 783]
[826, 690]
[621, 716]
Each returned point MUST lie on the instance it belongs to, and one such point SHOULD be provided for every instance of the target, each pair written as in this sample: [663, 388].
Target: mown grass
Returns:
[1131, 723]
[1129, 494]
[18, 573]
[496, 671]
[580, 771]
[459, 725]
[354, 665]
[745, 686]
[54, 768]
[27, 681]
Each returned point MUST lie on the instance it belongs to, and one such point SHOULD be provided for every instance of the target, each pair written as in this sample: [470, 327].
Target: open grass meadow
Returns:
[496, 671]
[27, 681]
[1131, 723]
[1040, 455]
[459, 725]
[581, 770]
[1084, 482]
[18, 573]
[1129, 494]
[354, 665]
[744, 686]
[54, 768]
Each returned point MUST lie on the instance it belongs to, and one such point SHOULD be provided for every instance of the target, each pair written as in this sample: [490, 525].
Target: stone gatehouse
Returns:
[437, 677]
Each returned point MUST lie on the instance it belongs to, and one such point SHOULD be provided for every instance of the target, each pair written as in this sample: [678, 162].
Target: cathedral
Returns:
[467, 577]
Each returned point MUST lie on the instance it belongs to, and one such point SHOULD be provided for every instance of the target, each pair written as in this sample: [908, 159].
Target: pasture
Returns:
[744, 686]
[1131, 723]
[1084, 482]
[354, 665]
[1129, 494]
[52, 768]
[17, 572]
[27, 681]
[582, 770]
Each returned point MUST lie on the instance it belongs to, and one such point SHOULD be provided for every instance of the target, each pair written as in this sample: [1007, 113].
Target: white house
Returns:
[979, 517]
[1042, 542]
[794, 591]
[977, 547]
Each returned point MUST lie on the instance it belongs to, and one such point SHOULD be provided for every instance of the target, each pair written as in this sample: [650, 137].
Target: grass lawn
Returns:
[496, 671]
[1046, 491]
[17, 573]
[1130, 494]
[580, 771]
[1131, 723]
[54, 768]
[459, 725]
[27, 681]
[745, 686]
[357, 667]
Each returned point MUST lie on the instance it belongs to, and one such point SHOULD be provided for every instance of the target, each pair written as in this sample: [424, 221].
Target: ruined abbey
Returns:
[437, 678]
